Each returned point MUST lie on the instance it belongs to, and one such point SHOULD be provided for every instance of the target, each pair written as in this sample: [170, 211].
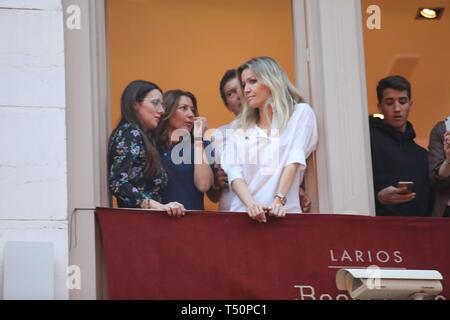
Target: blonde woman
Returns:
[270, 142]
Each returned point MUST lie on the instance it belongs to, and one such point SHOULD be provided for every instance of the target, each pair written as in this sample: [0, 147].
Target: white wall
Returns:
[33, 166]
[344, 166]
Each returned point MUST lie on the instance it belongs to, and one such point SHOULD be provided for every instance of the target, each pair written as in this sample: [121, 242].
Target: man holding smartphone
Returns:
[400, 166]
[439, 166]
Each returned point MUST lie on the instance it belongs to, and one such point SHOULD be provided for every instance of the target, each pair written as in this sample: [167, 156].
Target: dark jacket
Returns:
[436, 157]
[396, 157]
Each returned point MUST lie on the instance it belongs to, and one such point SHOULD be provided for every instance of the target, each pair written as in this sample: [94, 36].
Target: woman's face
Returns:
[255, 92]
[150, 110]
[183, 117]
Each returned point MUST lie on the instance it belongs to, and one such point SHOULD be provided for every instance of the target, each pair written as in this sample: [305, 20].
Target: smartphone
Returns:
[447, 123]
[408, 184]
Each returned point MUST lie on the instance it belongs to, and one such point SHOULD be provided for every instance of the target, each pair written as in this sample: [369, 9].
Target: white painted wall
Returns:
[33, 164]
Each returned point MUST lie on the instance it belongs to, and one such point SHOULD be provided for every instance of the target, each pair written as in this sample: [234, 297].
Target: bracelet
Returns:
[198, 138]
[145, 202]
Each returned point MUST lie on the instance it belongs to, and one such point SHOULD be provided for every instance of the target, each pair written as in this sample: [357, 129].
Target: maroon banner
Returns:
[211, 256]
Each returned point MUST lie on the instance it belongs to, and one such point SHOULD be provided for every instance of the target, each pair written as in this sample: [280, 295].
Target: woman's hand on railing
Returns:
[276, 210]
[257, 212]
[174, 209]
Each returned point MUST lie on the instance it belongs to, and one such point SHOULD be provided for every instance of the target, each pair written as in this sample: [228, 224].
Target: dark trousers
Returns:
[447, 212]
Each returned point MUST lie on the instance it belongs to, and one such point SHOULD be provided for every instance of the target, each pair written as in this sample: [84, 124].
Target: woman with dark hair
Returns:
[136, 177]
[181, 146]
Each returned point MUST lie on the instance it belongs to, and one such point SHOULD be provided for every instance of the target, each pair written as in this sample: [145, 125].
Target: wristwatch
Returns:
[282, 198]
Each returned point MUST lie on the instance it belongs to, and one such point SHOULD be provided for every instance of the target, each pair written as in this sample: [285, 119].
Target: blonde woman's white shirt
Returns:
[219, 141]
[259, 157]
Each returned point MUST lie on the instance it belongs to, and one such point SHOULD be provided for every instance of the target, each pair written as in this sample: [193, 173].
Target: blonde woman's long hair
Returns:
[284, 94]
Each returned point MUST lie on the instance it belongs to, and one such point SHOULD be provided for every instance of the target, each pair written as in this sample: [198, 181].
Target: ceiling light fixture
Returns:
[429, 13]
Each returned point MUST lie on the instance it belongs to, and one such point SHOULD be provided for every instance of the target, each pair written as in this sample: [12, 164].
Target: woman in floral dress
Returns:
[136, 177]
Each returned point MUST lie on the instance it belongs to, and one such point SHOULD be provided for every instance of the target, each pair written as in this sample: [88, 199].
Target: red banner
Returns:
[210, 256]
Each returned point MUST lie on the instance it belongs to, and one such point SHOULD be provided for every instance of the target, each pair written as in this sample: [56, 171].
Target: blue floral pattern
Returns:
[126, 173]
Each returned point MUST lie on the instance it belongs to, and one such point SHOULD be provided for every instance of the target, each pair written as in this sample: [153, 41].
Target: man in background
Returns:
[396, 157]
[439, 167]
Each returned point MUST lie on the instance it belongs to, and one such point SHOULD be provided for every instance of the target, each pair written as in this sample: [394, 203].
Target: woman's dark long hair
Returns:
[171, 101]
[134, 93]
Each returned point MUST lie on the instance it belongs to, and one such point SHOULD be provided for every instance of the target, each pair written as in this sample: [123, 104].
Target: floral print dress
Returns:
[127, 157]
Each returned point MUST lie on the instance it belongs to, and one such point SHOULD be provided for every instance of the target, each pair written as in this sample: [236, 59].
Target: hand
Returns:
[305, 201]
[276, 209]
[447, 146]
[393, 195]
[200, 126]
[174, 209]
[220, 179]
[257, 212]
